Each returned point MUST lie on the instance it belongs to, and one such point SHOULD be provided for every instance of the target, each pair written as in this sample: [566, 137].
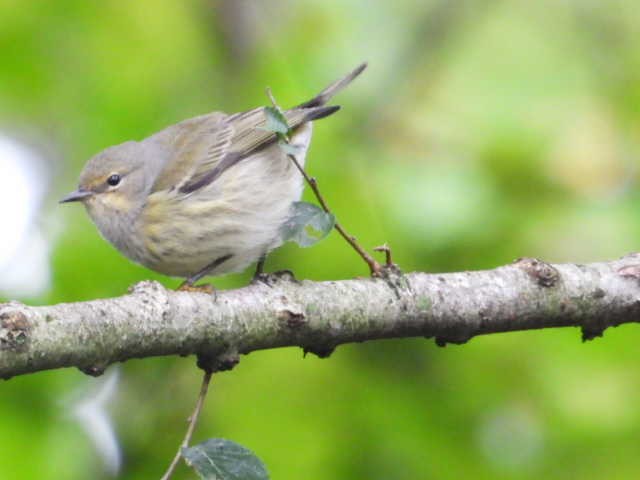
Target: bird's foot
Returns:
[270, 279]
[204, 288]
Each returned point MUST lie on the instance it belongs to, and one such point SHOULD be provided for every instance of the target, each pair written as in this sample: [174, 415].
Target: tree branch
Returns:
[318, 316]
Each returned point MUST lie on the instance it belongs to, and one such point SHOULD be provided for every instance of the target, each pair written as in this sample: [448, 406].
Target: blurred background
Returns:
[481, 132]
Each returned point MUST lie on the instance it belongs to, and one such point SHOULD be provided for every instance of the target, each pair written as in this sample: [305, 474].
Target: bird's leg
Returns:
[188, 284]
[269, 278]
[260, 276]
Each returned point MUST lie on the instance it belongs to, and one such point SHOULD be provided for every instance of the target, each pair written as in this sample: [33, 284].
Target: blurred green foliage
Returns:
[482, 132]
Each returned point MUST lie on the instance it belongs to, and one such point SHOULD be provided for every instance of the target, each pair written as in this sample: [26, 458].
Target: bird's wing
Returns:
[195, 146]
[202, 148]
[250, 134]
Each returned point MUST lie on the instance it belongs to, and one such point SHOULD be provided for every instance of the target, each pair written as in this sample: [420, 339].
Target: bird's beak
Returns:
[76, 196]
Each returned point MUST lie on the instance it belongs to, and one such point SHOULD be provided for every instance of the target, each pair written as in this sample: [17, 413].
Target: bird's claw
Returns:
[204, 288]
[270, 279]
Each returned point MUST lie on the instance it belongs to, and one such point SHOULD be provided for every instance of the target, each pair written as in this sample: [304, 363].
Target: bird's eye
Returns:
[114, 180]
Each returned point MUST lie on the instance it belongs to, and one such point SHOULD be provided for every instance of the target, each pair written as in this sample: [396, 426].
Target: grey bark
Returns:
[318, 316]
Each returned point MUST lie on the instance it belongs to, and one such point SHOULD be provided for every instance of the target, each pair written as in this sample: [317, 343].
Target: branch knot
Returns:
[543, 273]
[14, 330]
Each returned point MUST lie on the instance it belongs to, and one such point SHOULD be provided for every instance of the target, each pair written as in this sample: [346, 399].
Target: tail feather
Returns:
[324, 96]
[316, 113]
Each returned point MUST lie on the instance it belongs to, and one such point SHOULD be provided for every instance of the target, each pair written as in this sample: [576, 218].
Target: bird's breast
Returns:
[120, 228]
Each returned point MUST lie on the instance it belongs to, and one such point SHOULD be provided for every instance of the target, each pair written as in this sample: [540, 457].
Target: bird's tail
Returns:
[324, 96]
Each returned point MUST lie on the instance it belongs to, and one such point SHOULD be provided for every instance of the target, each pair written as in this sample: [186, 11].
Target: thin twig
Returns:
[387, 252]
[374, 266]
[272, 99]
[193, 420]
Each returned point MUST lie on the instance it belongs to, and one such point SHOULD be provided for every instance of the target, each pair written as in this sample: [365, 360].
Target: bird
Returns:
[206, 196]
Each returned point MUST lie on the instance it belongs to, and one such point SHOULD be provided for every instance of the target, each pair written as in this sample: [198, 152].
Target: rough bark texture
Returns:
[318, 316]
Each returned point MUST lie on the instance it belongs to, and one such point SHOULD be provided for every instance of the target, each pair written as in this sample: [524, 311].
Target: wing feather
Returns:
[203, 148]
[196, 146]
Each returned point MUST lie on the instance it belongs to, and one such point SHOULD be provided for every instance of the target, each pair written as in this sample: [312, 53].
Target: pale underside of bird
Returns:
[206, 196]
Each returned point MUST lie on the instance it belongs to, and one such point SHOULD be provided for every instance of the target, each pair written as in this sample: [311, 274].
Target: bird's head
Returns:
[113, 181]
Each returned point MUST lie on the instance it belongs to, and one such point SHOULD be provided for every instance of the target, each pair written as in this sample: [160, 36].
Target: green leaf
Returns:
[307, 225]
[290, 149]
[220, 459]
[276, 121]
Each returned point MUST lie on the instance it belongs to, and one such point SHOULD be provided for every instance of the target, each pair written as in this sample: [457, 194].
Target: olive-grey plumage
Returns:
[207, 195]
